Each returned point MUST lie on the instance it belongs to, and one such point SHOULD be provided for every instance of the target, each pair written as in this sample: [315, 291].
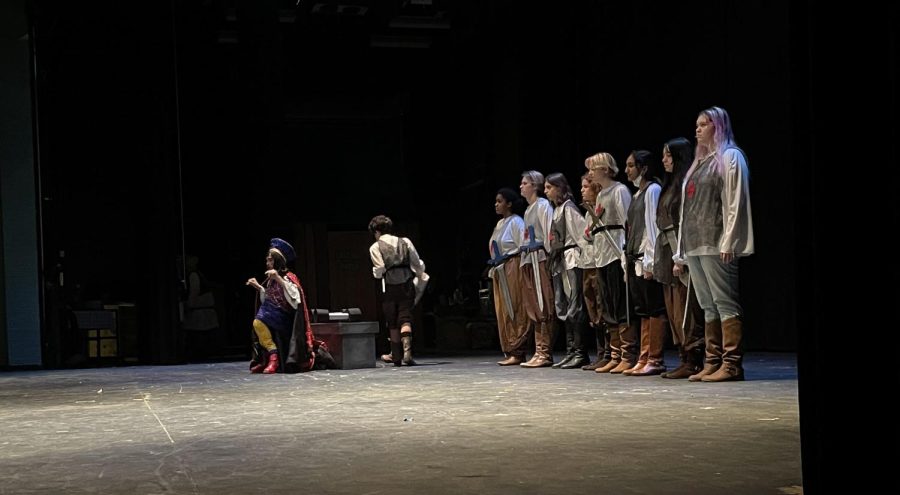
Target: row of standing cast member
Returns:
[537, 272]
[627, 273]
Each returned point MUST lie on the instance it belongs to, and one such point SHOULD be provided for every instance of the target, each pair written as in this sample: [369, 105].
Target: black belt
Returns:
[565, 248]
[607, 227]
[634, 257]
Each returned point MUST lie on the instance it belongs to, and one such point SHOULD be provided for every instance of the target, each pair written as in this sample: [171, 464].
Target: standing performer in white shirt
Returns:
[396, 262]
[536, 287]
[591, 274]
[566, 228]
[506, 276]
[640, 246]
[716, 231]
[611, 207]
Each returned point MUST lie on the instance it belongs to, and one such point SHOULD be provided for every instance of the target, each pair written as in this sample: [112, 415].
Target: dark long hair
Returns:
[559, 181]
[682, 157]
[643, 158]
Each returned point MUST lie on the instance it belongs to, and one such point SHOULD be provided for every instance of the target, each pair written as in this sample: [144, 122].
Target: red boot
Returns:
[272, 367]
[256, 368]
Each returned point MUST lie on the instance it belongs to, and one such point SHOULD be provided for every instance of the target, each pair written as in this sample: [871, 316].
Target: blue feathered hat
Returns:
[283, 247]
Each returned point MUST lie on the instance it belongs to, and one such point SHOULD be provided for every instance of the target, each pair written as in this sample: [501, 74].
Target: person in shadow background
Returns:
[200, 317]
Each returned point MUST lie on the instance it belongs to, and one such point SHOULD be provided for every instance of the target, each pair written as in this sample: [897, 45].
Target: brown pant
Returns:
[543, 320]
[513, 331]
[689, 338]
[529, 294]
[593, 301]
[591, 288]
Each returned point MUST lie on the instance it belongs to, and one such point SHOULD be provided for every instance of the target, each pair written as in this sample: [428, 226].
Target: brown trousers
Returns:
[591, 289]
[690, 337]
[543, 320]
[593, 300]
[513, 332]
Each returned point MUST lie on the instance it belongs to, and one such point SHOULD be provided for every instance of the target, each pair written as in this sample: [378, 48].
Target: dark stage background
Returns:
[209, 126]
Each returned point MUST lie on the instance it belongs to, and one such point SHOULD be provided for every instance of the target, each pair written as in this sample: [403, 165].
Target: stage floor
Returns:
[455, 425]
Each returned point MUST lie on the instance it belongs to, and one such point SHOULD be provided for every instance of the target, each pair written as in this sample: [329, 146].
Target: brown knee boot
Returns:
[628, 337]
[543, 340]
[732, 368]
[645, 348]
[713, 335]
[657, 328]
[691, 363]
[615, 351]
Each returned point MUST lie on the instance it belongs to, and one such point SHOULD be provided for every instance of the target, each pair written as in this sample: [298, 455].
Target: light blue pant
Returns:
[716, 285]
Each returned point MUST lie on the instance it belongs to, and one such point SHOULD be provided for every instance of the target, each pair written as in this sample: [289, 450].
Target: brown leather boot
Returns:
[645, 348]
[622, 367]
[628, 346]
[543, 339]
[684, 370]
[732, 368]
[615, 351]
[538, 361]
[603, 350]
[609, 366]
[657, 328]
[708, 369]
[511, 360]
[713, 335]
[595, 365]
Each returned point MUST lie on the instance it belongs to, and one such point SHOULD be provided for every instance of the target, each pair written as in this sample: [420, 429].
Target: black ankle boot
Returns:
[578, 360]
[564, 362]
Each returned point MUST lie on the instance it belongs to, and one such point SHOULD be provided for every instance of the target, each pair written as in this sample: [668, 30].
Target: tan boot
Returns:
[657, 328]
[732, 368]
[538, 362]
[622, 367]
[615, 350]
[543, 341]
[708, 369]
[512, 360]
[713, 336]
[645, 348]
[609, 366]
[628, 336]
[627, 346]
